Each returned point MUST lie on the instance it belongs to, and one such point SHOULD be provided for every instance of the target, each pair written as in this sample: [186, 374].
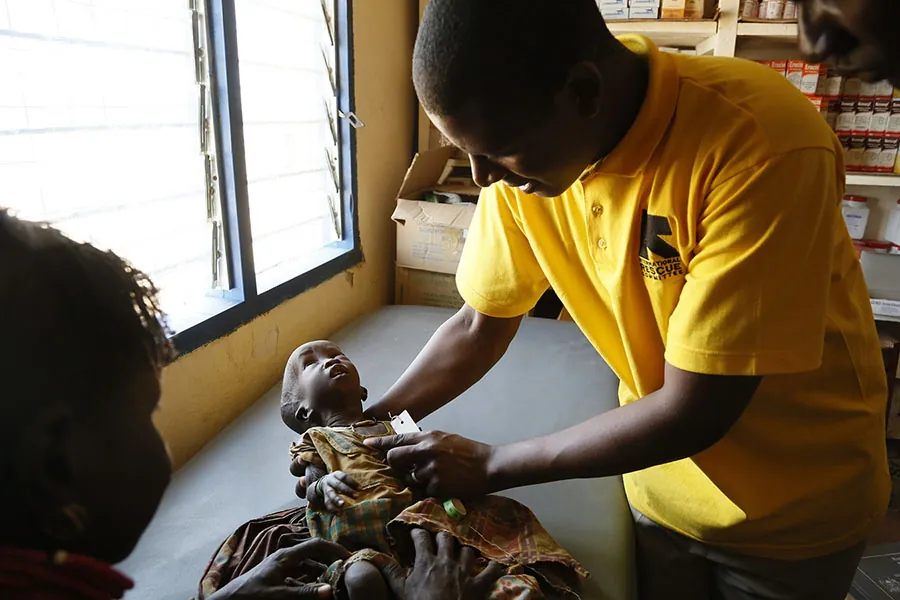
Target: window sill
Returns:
[228, 315]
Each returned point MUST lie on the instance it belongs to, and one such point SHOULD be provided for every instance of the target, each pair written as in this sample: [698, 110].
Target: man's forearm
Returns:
[460, 352]
[662, 427]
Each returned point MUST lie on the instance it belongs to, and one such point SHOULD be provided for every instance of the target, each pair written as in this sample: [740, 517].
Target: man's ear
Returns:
[365, 393]
[584, 87]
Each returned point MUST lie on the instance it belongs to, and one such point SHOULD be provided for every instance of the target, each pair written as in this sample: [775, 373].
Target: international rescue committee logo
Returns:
[659, 258]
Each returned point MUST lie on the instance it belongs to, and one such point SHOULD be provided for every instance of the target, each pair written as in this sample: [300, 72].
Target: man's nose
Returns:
[484, 172]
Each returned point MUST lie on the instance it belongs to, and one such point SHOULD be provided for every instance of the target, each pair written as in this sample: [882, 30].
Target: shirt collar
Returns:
[630, 156]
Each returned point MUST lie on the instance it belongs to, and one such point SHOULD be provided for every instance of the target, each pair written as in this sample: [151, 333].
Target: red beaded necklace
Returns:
[35, 575]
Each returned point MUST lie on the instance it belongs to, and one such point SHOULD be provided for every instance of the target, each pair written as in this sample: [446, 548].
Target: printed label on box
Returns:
[867, 90]
[794, 72]
[864, 112]
[872, 154]
[888, 156]
[811, 73]
[851, 88]
[855, 159]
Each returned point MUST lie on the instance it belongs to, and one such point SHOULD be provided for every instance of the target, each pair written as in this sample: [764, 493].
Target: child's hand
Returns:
[328, 492]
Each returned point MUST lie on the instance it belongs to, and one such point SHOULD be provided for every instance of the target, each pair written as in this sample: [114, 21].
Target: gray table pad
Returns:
[550, 378]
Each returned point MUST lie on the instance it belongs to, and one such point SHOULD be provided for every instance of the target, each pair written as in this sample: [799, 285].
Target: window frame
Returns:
[225, 93]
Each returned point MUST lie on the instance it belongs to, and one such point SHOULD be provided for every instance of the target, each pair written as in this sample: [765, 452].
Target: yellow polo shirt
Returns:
[711, 238]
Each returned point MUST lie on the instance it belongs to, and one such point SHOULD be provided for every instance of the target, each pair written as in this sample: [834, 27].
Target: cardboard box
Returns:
[833, 85]
[794, 72]
[845, 146]
[424, 288]
[430, 236]
[673, 9]
[865, 110]
[872, 154]
[884, 90]
[812, 73]
[868, 90]
[887, 308]
[643, 12]
[820, 103]
[879, 122]
[633, 3]
[888, 158]
[852, 88]
[855, 158]
[612, 4]
[778, 65]
[699, 9]
[832, 112]
[614, 14]
[893, 126]
[845, 118]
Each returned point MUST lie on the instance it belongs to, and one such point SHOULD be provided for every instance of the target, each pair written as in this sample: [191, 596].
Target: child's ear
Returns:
[365, 393]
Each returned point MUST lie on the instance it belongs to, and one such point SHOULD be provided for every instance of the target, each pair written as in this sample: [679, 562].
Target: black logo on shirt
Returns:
[659, 259]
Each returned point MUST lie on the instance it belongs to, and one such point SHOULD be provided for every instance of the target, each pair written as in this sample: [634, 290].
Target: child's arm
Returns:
[326, 491]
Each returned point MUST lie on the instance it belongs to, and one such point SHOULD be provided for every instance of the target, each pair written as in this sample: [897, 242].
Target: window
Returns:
[209, 143]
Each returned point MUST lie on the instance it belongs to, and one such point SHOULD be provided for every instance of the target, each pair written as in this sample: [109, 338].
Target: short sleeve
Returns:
[306, 451]
[498, 274]
[756, 289]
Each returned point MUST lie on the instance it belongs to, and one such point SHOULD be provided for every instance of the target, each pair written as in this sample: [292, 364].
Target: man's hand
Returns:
[328, 492]
[440, 575]
[444, 465]
[287, 574]
[298, 469]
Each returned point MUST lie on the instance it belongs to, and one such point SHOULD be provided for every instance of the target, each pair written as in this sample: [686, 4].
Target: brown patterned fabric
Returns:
[250, 545]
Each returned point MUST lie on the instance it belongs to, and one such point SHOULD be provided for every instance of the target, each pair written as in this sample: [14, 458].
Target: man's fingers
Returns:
[388, 442]
[446, 547]
[394, 574]
[467, 558]
[319, 550]
[423, 544]
[301, 591]
[404, 458]
[485, 580]
[300, 488]
[298, 467]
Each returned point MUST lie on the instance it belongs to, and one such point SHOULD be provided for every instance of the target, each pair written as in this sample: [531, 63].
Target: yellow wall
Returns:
[207, 389]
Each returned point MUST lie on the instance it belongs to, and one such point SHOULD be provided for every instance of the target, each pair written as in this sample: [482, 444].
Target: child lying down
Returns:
[358, 501]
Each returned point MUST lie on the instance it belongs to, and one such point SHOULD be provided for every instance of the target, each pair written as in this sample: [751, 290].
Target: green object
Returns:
[455, 509]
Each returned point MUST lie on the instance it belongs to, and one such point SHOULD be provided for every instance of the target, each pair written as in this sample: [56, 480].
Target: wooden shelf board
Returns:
[873, 179]
[681, 34]
[768, 30]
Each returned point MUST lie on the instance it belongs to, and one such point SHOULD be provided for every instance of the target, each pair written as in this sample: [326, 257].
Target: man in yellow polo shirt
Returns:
[686, 211]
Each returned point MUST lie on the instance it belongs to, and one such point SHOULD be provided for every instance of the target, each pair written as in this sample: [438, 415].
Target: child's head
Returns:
[320, 384]
[82, 345]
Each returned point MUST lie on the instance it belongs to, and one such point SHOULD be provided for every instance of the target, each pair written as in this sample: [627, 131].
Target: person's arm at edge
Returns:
[459, 354]
[690, 413]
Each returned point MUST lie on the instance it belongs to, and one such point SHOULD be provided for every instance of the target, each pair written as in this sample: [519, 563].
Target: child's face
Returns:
[319, 378]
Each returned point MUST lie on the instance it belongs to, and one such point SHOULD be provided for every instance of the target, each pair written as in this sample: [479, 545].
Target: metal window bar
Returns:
[219, 271]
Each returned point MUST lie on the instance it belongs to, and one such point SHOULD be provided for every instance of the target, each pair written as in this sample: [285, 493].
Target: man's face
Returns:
[540, 153]
[858, 37]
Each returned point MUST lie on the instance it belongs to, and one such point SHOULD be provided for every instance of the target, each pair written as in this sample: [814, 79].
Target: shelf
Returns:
[782, 31]
[873, 180]
[887, 319]
[680, 34]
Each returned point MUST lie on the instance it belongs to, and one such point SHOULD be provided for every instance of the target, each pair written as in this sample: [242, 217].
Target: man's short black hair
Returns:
[75, 321]
[517, 52]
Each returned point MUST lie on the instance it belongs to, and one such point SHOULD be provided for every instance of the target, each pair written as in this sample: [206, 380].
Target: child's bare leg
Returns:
[364, 581]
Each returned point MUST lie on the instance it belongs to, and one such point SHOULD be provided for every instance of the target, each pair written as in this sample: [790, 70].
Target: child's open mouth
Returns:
[337, 370]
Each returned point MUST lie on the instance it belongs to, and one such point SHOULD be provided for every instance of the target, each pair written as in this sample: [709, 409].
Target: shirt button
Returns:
[601, 243]
[597, 210]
